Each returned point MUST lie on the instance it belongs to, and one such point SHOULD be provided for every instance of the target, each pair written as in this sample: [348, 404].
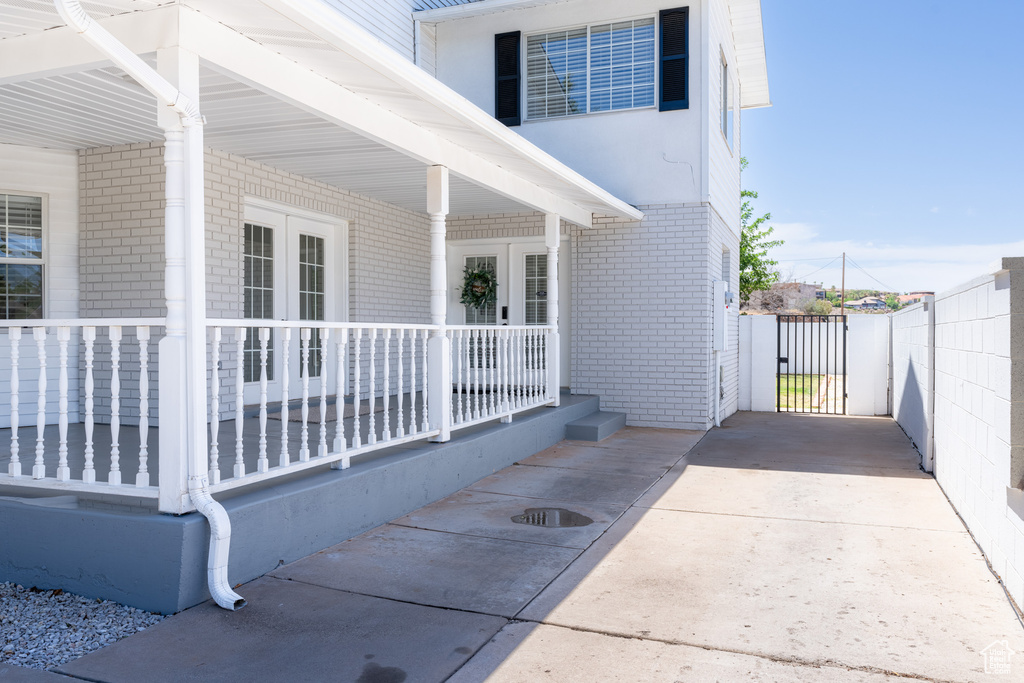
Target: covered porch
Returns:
[196, 128]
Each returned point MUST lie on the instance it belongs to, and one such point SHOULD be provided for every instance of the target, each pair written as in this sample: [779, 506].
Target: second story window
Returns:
[596, 68]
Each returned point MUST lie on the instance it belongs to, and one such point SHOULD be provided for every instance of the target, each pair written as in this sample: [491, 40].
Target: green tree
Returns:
[757, 271]
[892, 302]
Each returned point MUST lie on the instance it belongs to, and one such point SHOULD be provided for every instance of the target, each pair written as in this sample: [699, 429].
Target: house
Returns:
[237, 238]
[913, 297]
[868, 303]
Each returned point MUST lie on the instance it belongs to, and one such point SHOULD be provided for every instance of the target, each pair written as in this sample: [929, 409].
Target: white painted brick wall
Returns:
[641, 315]
[121, 242]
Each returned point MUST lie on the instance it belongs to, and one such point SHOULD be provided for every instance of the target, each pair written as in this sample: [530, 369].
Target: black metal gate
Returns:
[811, 371]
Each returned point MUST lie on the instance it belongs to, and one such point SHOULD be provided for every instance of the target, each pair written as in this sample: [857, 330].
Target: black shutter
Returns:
[506, 78]
[675, 49]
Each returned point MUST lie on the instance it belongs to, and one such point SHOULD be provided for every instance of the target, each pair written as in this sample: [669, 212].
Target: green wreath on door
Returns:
[479, 287]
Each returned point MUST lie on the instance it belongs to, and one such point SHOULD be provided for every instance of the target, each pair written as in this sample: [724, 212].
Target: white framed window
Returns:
[727, 104]
[21, 257]
[587, 69]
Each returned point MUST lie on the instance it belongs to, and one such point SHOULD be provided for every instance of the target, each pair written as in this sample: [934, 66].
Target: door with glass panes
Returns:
[289, 274]
[522, 271]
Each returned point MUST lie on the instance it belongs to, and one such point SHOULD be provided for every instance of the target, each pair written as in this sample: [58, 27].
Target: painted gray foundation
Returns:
[158, 562]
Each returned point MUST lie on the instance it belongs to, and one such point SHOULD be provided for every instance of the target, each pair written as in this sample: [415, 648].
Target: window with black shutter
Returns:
[675, 45]
[506, 78]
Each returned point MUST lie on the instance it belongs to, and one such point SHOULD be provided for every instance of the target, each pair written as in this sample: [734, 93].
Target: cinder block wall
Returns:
[912, 374]
[979, 409]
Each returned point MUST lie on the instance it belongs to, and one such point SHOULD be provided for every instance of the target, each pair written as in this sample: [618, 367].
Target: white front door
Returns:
[521, 267]
[290, 264]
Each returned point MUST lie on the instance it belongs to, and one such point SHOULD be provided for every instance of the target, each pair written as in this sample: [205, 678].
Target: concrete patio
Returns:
[779, 547]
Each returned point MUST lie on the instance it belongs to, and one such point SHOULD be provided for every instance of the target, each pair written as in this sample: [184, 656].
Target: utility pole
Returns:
[842, 301]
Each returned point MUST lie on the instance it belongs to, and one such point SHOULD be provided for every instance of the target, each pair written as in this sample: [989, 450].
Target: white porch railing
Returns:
[498, 371]
[55, 366]
[282, 397]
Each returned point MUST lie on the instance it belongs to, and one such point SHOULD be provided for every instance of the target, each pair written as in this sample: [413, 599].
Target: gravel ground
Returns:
[43, 629]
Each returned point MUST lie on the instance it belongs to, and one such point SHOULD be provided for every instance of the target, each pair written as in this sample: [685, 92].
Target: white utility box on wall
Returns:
[723, 299]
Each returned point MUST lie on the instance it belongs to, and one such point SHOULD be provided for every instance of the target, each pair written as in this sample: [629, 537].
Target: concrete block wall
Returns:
[640, 315]
[913, 350]
[979, 413]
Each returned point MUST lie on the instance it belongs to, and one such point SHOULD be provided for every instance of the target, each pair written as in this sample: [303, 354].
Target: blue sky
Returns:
[896, 134]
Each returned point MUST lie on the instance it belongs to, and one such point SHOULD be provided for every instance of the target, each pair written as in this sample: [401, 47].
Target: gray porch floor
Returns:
[780, 547]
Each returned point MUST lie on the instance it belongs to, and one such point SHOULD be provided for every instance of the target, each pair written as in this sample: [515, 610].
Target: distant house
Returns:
[868, 303]
[912, 298]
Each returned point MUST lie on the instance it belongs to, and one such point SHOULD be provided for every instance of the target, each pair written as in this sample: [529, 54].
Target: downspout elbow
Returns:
[220, 543]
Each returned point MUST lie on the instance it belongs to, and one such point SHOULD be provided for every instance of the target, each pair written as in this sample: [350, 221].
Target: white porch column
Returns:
[439, 354]
[552, 223]
[184, 290]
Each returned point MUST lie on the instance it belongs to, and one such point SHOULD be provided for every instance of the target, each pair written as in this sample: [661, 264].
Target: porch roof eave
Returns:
[389, 101]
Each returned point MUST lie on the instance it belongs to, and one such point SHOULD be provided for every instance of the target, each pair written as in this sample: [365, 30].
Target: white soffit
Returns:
[748, 34]
[446, 11]
[337, 49]
[19, 17]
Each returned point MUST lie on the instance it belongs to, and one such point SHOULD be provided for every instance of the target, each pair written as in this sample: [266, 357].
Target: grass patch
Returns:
[798, 392]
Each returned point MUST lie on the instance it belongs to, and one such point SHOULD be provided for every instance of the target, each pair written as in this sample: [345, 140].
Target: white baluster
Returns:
[387, 385]
[477, 387]
[339, 392]
[214, 407]
[401, 384]
[423, 383]
[304, 335]
[14, 466]
[240, 334]
[142, 477]
[114, 477]
[492, 384]
[357, 390]
[517, 355]
[412, 382]
[371, 434]
[63, 471]
[457, 348]
[89, 336]
[503, 376]
[286, 345]
[39, 467]
[262, 464]
[325, 349]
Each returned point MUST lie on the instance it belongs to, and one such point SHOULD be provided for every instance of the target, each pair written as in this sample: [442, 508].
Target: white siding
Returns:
[643, 156]
[426, 49]
[723, 161]
[389, 20]
[54, 174]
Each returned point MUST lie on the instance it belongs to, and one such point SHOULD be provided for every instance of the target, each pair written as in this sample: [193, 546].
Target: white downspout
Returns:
[718, 389]
[187, 192]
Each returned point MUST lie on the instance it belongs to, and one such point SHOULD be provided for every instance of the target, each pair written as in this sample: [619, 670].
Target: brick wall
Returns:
[641, 310]
[121, 242]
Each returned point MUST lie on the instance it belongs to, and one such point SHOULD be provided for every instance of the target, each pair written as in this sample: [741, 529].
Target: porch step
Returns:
[596, 426]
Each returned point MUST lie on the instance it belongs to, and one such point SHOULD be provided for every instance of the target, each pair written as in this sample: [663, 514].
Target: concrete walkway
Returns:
[781, 547]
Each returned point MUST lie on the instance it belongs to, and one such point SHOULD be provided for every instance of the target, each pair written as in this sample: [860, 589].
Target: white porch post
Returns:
[439, 355]
[176, 364]
[552, 221]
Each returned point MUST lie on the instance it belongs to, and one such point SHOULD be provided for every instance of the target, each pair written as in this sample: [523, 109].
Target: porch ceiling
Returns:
[343, 110]
[103, 107]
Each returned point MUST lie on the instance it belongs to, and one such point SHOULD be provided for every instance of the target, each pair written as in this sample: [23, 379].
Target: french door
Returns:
[290, 274]
[522, 271]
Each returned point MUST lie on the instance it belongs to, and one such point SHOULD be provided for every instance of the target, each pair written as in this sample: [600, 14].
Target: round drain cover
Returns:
[552, 517]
